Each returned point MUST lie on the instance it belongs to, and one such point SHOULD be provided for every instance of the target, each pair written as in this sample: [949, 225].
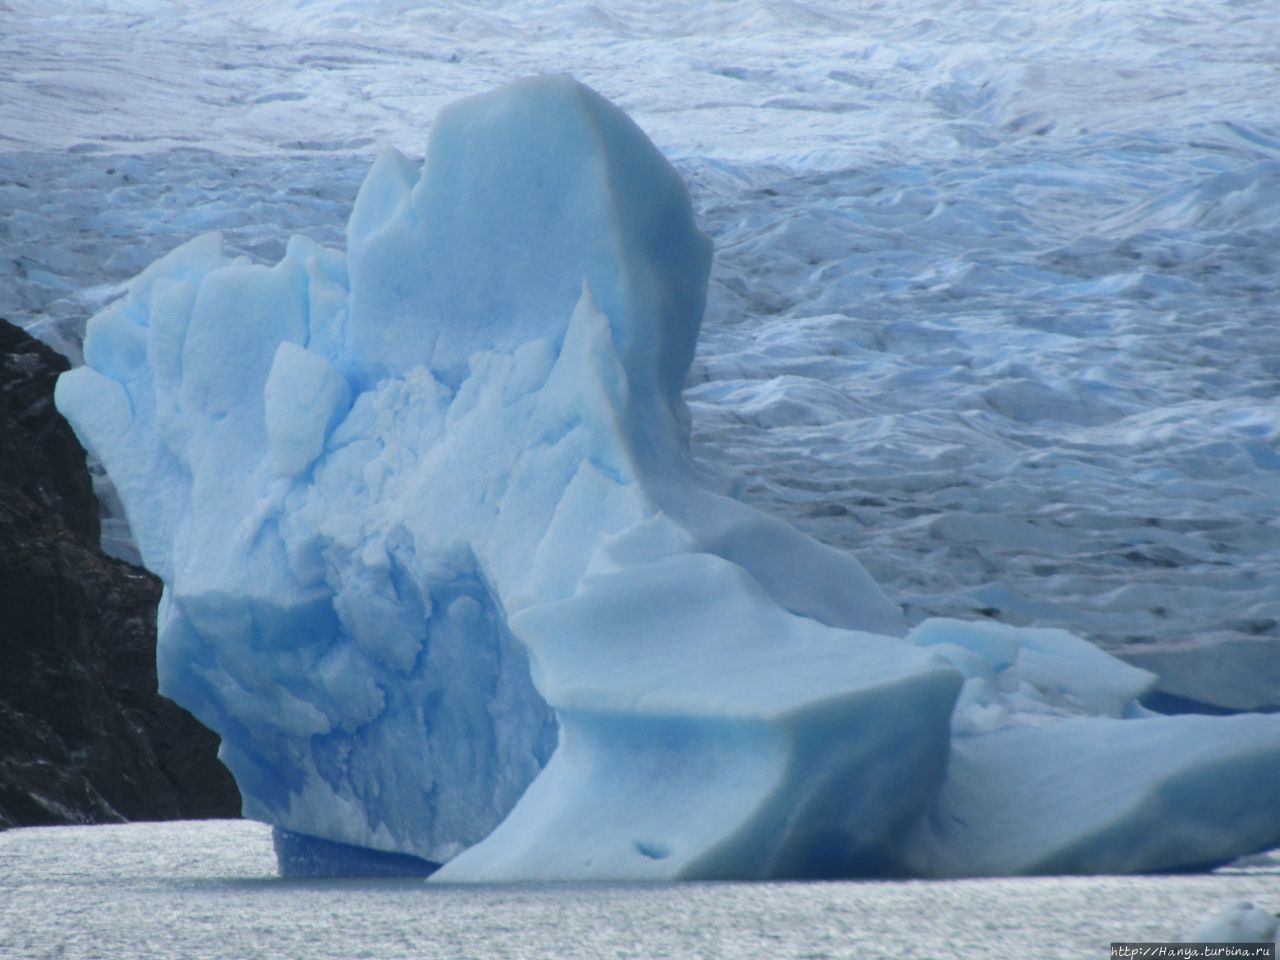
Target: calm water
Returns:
[208, 890]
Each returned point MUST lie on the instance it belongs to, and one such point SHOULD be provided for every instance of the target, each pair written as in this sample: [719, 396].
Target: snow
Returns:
[443, 573]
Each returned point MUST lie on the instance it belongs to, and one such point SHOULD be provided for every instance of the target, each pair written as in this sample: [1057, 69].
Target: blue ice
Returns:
[442, 574]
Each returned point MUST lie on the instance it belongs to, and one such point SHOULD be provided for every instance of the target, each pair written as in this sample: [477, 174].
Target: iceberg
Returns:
[442, 573]
[1241, 922]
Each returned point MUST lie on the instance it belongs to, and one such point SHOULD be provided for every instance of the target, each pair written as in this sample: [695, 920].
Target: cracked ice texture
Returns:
[442, 574]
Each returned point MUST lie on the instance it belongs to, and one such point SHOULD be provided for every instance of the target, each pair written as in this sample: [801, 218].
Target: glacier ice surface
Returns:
[441, 571]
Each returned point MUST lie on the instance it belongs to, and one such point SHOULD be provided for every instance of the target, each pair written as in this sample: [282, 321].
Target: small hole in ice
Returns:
[654, 851]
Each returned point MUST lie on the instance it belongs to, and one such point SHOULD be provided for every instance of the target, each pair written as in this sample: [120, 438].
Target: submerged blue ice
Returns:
[441, 571]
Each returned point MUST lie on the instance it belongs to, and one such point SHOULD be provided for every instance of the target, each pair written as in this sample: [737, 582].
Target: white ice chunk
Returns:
[1242, 922]
[1035, 670]
[1240, 673]
[1092, 795]
[304, 397]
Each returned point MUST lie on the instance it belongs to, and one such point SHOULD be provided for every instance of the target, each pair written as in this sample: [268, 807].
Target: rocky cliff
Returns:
[84, 736]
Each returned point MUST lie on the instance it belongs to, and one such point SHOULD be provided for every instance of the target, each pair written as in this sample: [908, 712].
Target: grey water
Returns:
[208, 889]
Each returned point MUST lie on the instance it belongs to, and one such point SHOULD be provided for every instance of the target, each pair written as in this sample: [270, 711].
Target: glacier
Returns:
[443, 574]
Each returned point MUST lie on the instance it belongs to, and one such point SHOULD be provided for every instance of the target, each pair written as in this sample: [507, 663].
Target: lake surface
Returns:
[208, 890]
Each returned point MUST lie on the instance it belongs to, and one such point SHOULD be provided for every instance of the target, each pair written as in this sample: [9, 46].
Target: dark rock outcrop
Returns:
[84, 736]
